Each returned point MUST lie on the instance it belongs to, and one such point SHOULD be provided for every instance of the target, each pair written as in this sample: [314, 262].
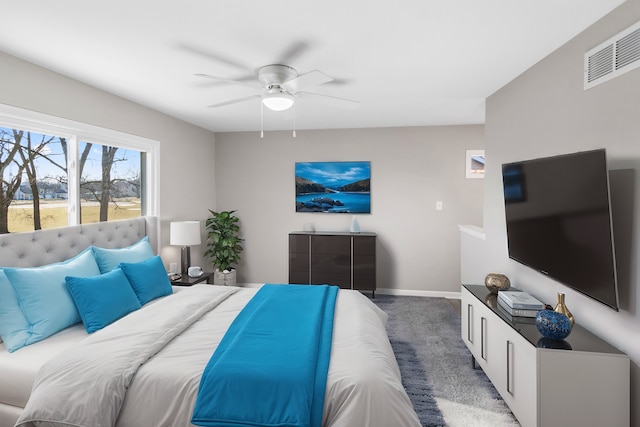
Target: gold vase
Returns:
[562, 308]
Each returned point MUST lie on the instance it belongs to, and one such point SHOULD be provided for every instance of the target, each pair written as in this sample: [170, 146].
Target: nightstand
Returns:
[186, 280]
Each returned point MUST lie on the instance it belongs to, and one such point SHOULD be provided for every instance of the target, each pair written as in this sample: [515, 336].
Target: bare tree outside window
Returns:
[33, 146]
[11, 173]
[110, 179]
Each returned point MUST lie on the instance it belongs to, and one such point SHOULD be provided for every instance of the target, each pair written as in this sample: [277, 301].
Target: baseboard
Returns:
[389, 291]
[418, 293]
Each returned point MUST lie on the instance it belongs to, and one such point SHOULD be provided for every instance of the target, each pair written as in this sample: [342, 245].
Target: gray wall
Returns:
[186, 152]
[545, 111]
[411, 168]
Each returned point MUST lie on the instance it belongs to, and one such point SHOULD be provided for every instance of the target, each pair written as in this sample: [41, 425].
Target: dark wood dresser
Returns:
[345, 259]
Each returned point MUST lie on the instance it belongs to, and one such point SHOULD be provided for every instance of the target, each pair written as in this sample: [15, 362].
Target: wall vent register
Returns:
[612, 58]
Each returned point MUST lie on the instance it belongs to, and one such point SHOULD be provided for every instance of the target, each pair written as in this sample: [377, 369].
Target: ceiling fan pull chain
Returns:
[261, 120]
[295, 115]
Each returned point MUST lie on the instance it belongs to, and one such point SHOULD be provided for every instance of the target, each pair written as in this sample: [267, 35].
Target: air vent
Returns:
[610, 59]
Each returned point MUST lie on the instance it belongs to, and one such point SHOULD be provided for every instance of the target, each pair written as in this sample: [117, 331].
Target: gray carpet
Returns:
[436, 365]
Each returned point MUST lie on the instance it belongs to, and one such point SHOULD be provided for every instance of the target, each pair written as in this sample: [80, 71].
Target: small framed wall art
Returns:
[475, 164]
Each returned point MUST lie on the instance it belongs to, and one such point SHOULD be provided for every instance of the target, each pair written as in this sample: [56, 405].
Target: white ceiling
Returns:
[408, 62]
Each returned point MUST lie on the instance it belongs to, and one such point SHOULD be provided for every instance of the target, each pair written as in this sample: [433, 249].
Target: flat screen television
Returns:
[558, 219]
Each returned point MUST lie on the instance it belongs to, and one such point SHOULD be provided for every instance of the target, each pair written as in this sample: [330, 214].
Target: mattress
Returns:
[18, 369]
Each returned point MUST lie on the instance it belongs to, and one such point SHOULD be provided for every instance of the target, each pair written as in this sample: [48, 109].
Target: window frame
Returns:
[76, 132]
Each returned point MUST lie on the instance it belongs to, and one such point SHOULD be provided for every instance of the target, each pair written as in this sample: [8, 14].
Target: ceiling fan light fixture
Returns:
[279, 101]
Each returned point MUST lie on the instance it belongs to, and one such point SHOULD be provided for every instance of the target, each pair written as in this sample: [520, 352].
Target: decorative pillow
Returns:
[103, 299]
[44, 299]
[148, 279]
[13, 325]
[108, 259]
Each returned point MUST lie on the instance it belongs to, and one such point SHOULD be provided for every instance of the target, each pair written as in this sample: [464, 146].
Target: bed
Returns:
[363, 384]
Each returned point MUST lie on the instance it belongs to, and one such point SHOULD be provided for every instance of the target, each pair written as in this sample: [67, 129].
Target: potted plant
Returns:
[224, 246]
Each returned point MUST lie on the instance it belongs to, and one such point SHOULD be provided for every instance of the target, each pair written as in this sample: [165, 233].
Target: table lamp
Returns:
[185, 234]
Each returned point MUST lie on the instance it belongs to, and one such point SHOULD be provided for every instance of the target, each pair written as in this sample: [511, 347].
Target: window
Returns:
[34, 181]
[110, 182]
[56, 172]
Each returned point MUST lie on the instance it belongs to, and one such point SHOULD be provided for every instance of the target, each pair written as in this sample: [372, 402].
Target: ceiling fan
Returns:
[280, 86]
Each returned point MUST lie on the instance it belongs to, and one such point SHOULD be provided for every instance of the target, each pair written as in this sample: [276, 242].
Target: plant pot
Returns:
[224, 278]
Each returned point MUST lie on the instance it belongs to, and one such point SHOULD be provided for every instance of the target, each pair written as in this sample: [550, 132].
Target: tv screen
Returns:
[559, 221]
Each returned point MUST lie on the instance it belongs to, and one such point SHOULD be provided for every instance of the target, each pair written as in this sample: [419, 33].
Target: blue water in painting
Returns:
[352, 202]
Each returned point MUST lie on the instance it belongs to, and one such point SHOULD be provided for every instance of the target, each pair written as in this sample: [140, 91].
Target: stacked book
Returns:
[520, 304]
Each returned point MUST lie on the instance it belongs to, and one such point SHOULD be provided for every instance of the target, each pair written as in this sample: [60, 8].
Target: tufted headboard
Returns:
[36, 248]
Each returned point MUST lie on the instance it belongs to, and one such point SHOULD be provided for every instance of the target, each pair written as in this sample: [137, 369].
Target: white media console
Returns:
[580, 381]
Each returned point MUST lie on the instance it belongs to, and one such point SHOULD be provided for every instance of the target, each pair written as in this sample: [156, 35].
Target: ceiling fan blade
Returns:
[331, 100]
[312, 78]
[208, 54]
[235, 101]
[340, 82]
[293, 52]
[253, 84]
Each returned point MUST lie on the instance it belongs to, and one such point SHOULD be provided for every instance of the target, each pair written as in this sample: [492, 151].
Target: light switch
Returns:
[439, 205]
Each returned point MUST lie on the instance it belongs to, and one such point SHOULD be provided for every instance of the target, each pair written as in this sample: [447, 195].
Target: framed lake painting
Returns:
[333, 187]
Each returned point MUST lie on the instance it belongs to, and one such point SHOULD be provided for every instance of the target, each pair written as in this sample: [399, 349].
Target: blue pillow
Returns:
[148, 279]
[101, 300]
[43, 296]
[108, 259]
[13, 325]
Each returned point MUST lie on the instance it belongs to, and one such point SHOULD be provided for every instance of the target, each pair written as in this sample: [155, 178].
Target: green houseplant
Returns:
[224, 246]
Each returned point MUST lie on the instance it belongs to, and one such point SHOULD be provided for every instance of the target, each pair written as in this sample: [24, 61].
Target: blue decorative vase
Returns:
[552, 324]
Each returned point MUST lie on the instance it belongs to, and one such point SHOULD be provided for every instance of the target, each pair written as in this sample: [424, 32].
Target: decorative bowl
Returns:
[553, 325]
[497, 282]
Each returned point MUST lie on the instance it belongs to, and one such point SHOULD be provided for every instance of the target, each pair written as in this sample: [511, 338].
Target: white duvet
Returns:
[144, 370]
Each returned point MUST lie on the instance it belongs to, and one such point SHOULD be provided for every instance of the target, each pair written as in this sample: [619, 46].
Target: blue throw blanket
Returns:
[270, 368]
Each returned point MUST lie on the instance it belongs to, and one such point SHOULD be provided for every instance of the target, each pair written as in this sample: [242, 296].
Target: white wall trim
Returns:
[34, 121]
[418, 293]
[473, 230]
[389, 291]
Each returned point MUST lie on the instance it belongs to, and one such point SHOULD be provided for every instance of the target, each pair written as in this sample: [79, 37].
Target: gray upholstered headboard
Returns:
[36, 248]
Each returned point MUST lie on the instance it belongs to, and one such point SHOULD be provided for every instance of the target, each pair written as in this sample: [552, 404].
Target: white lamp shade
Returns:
[184, 233]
